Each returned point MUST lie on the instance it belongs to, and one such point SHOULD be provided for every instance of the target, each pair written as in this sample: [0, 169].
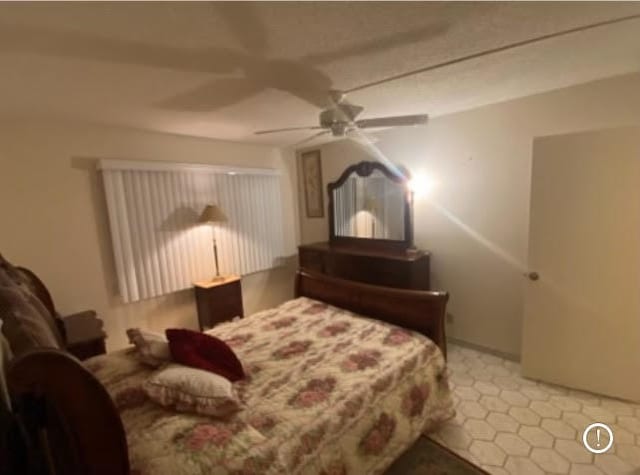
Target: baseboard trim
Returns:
[484, 349]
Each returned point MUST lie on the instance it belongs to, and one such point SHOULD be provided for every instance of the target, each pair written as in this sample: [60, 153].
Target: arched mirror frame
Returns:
[364, 169]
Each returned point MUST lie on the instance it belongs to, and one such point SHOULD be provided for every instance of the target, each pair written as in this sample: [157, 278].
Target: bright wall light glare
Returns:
[421, 184]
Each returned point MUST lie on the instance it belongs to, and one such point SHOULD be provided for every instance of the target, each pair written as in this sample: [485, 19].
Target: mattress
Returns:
[327, 392]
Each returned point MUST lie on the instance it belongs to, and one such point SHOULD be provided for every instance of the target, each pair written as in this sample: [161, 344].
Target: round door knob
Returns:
[533, 276]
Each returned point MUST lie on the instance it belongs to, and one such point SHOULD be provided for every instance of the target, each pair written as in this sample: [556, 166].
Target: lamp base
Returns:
[217, 278]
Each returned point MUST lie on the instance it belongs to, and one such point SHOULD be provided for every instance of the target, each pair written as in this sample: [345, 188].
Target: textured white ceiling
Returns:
[224, 70]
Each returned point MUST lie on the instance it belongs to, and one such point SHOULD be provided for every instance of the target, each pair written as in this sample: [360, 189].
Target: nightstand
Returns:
[84, 335]
[218, 301]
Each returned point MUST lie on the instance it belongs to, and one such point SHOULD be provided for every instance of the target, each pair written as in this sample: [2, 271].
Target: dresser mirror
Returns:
[371, 204]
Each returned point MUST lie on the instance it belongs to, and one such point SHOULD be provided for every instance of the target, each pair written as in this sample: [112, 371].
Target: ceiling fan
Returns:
[340, 119]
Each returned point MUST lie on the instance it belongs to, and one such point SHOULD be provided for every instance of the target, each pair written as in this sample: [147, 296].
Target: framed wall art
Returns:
[312, 177]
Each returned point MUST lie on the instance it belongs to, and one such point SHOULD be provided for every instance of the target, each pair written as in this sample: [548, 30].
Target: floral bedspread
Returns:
[327, 392]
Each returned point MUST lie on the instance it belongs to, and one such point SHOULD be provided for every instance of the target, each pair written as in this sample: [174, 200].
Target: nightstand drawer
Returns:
[218, 301]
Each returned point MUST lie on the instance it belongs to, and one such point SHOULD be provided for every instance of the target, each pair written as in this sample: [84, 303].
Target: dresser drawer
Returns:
[402, 270]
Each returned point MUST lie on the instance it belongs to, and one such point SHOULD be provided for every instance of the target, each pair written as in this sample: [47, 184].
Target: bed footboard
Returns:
[419, 310]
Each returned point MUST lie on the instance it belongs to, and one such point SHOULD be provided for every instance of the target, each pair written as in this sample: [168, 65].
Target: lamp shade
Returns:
[212, 214]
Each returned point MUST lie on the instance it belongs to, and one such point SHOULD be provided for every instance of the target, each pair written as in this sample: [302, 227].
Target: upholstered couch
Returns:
[29, 317]
[29, 320]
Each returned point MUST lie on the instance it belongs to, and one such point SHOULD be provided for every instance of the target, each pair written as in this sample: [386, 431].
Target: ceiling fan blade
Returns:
[309, 139]
[212, 95]
[361, 137]
[287, 129]
[393, 121]
[244, 22]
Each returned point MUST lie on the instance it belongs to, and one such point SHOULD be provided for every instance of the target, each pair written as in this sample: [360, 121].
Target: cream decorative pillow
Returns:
[153, 348]
[192, 390]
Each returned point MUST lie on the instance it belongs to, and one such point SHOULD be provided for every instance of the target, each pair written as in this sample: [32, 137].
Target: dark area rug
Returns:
[427, 457]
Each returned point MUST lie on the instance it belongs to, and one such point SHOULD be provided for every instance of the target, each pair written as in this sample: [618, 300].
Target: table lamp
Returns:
[213, 214]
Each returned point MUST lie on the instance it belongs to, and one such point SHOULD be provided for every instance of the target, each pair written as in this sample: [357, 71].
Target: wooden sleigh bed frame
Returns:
[68, 424]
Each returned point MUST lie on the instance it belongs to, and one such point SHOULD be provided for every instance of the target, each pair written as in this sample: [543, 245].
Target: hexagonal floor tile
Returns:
[617, 407]
[491, 360]
[487, 453]
[544, 409]
[475, 364]
[515, 398]
[558, 429]
[629, 453]
[525, 416]
[501, 418]
[479, 429]
[467, 393]
[487, 388]
[584, 397]
[535, 394]
[565, 403]
[573, 451]
[522, 466]
[632, 424]
[457, 366]
[612, 465]
[472, 409]
[454, 356]
[498, 370]
[506, 382]
[512, 366]
[493, 403]
[599, 414]
[502, 422]
[622, 436]
[576, 420]
[512, 444]
[536, 436]
[581, 469]
[462, 379]
[550, 461]
[454, 436]
[553, 389]
[482, 375]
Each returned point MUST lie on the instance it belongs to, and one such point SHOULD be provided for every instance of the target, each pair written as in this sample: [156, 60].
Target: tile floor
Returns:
[510, 425]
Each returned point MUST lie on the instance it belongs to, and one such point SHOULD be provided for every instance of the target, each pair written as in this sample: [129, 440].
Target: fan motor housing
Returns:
[343, 113]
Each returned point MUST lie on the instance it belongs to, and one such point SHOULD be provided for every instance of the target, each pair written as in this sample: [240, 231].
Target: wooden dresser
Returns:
[391, 268]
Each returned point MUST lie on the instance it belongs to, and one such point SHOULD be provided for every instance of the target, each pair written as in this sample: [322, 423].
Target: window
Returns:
[158, 244]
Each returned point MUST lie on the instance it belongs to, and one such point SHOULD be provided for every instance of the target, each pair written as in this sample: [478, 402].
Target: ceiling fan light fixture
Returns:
[338, 129]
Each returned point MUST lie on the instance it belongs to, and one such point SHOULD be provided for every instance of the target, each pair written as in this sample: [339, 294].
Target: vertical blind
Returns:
[158, 245]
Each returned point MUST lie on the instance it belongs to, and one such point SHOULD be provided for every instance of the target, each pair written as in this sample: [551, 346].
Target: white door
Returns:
[582, 316]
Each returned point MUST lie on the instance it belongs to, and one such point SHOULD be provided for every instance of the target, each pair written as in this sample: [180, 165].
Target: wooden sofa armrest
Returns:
[70, 422]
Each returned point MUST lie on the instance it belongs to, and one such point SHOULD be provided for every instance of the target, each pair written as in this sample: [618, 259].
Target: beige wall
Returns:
[475, 221]
[54, 219]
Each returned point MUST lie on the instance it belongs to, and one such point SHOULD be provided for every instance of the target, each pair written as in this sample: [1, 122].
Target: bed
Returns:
[329, 391]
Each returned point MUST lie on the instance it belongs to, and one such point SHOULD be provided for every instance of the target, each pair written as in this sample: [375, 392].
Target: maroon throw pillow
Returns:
[203, 351]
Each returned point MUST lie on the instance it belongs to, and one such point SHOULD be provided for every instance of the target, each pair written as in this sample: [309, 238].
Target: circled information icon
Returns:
[597, 438]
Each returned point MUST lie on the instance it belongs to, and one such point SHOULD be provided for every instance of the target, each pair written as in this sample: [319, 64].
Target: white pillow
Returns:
[153, 348]
[192, 390]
